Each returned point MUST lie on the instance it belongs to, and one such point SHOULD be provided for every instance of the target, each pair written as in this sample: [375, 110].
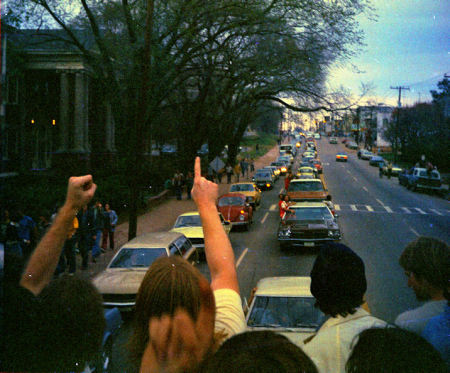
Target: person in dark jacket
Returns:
[98, 224]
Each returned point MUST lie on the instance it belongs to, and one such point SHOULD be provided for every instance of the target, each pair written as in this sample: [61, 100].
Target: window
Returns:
[135, 258]
[174, 250]
[183, 244]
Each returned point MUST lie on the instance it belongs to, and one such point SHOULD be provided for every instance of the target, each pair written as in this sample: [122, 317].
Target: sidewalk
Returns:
[163, 216]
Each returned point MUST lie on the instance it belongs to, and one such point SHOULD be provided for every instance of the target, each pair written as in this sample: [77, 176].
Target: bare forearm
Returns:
[45, 257]
[218, 249]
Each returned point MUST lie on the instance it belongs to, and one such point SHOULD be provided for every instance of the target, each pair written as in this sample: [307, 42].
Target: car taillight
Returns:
[242, 212]
[268, 185]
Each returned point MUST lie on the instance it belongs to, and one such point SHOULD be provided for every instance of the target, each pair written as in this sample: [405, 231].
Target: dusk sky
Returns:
[409, 45]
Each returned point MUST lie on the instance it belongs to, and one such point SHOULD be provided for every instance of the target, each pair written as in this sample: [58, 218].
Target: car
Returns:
[341, 157]
[364, 154]
[318, 165]
[376, 160]
[308, 224]
[317, 136]
[298, 144]
[333, 140]
[351, 145]
[250, 190]
[264, 179]
[421, 178]
[283, 167]
[286, 158]
[235, 208]
[190, 225]
[284, 305]
[306, 171]
[275, 172]
[306, 190]
[308, 154]
[169, 149]
[288, 148]
[119, 282]
[395, 170]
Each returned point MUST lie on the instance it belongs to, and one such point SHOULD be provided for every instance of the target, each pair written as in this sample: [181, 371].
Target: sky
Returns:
[409, 45]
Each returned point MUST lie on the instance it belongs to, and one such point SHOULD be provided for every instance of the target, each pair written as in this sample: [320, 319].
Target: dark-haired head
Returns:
[259, 352]
[338, 280]
[393, 350]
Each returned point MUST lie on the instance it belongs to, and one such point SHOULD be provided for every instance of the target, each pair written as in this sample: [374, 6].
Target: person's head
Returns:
[426, 262]
[169, 284]
[258, 352]
[286, 198]
[107, 208]
[393, 350]
[329, 197]
[281, 196]
[72, 324]
[98, 204]
[338, 280]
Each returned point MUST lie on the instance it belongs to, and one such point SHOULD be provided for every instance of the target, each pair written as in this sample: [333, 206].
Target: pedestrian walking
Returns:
[380, 169]
[229, 171]
[220, 174]
[287, 180]
[189, 184]
[85, 234]
[389, 170]
[110, 221]
[97, 223]
[244, 167]
[252, 165]
[177, 183]
[237, 171]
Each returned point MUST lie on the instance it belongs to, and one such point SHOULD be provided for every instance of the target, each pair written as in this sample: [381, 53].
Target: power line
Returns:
[400, 88]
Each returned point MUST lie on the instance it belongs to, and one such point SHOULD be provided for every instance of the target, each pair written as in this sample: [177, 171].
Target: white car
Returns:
[284, 305]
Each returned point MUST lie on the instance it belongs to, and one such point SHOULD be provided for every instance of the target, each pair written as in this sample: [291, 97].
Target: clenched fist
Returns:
[80, 191]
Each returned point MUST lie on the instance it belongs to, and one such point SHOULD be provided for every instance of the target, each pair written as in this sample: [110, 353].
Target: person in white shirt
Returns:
[179, 317]
[426, 262]
[338, 283]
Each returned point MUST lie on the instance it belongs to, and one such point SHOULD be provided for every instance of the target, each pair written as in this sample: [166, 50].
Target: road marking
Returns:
[381, 203]
[369, 208]
[388, 209]
[337, 207]
[367, 190]
[412, 230]
[405, 209]
[436, 212]
[348, 171]
[264, 218]
[273, 207]
[421, 211]
[353, 207]
[354, 178]
[241, 257]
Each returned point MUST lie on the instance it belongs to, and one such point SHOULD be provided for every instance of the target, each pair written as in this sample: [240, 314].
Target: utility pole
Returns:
[399, 88]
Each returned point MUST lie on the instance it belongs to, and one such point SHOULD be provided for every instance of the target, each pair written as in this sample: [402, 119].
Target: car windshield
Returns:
[136, 258]
[433, 174]
[231, 201]
[277, 164]
[262, 175]
[341, 154]
[309, 213]
[305, 186]
[242, 188]
[188, 221]
[288, 312]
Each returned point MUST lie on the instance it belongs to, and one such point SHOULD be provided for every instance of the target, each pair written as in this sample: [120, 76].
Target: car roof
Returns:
[249, 182]
[306, 181]
[284, 286]
[153, 239]
[190, 213]
[308, 205]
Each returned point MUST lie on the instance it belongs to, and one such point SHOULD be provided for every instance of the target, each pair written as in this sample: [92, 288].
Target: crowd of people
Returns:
[183, 323]
[92, 229]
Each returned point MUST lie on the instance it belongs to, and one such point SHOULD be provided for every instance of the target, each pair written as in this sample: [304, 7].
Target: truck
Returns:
[421, 178]
[328, 129]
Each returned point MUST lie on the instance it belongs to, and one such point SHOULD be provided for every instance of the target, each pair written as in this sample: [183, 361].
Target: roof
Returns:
[154, 239]
[306, 181]
[308, 204]
[284, 286]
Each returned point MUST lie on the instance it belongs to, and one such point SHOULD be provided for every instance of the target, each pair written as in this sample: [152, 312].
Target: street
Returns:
[378, 219]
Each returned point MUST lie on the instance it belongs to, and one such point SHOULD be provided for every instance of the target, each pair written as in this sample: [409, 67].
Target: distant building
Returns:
[371, 121]
[55, 116]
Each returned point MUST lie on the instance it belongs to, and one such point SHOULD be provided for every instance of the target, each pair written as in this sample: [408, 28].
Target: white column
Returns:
[79, 114]
[63, 113]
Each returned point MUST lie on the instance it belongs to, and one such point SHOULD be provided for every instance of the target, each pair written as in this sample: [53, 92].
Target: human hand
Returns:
[204, 192]
[80, 191]
[178, 344]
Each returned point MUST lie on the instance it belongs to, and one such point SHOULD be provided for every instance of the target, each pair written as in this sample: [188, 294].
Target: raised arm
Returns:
[44, 259]
[219, 253]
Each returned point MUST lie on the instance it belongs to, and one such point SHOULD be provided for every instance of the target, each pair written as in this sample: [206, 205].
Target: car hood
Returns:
[307, 195]
[231, 213]
[119, 280]
[190, 232]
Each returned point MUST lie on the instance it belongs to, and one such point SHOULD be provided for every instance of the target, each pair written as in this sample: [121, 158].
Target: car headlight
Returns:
[333, 233]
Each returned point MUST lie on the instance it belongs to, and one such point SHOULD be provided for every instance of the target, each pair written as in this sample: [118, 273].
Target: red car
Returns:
[235, 209]
[318, 165]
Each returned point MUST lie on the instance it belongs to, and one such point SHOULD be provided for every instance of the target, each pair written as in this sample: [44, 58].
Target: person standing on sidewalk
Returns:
[237, 171]
[97, 223]
[252, 165]
[68, 257]
[110, 221]
[189, 184]
[229, 171]
[177, 183]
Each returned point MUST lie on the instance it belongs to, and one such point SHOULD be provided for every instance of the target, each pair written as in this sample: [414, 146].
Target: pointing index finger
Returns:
[197, 168]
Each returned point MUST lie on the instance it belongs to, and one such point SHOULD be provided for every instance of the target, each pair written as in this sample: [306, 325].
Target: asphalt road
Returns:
[378, 219]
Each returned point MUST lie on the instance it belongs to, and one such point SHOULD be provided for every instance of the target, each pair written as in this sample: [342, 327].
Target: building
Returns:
[370, 123]
[55, 116]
